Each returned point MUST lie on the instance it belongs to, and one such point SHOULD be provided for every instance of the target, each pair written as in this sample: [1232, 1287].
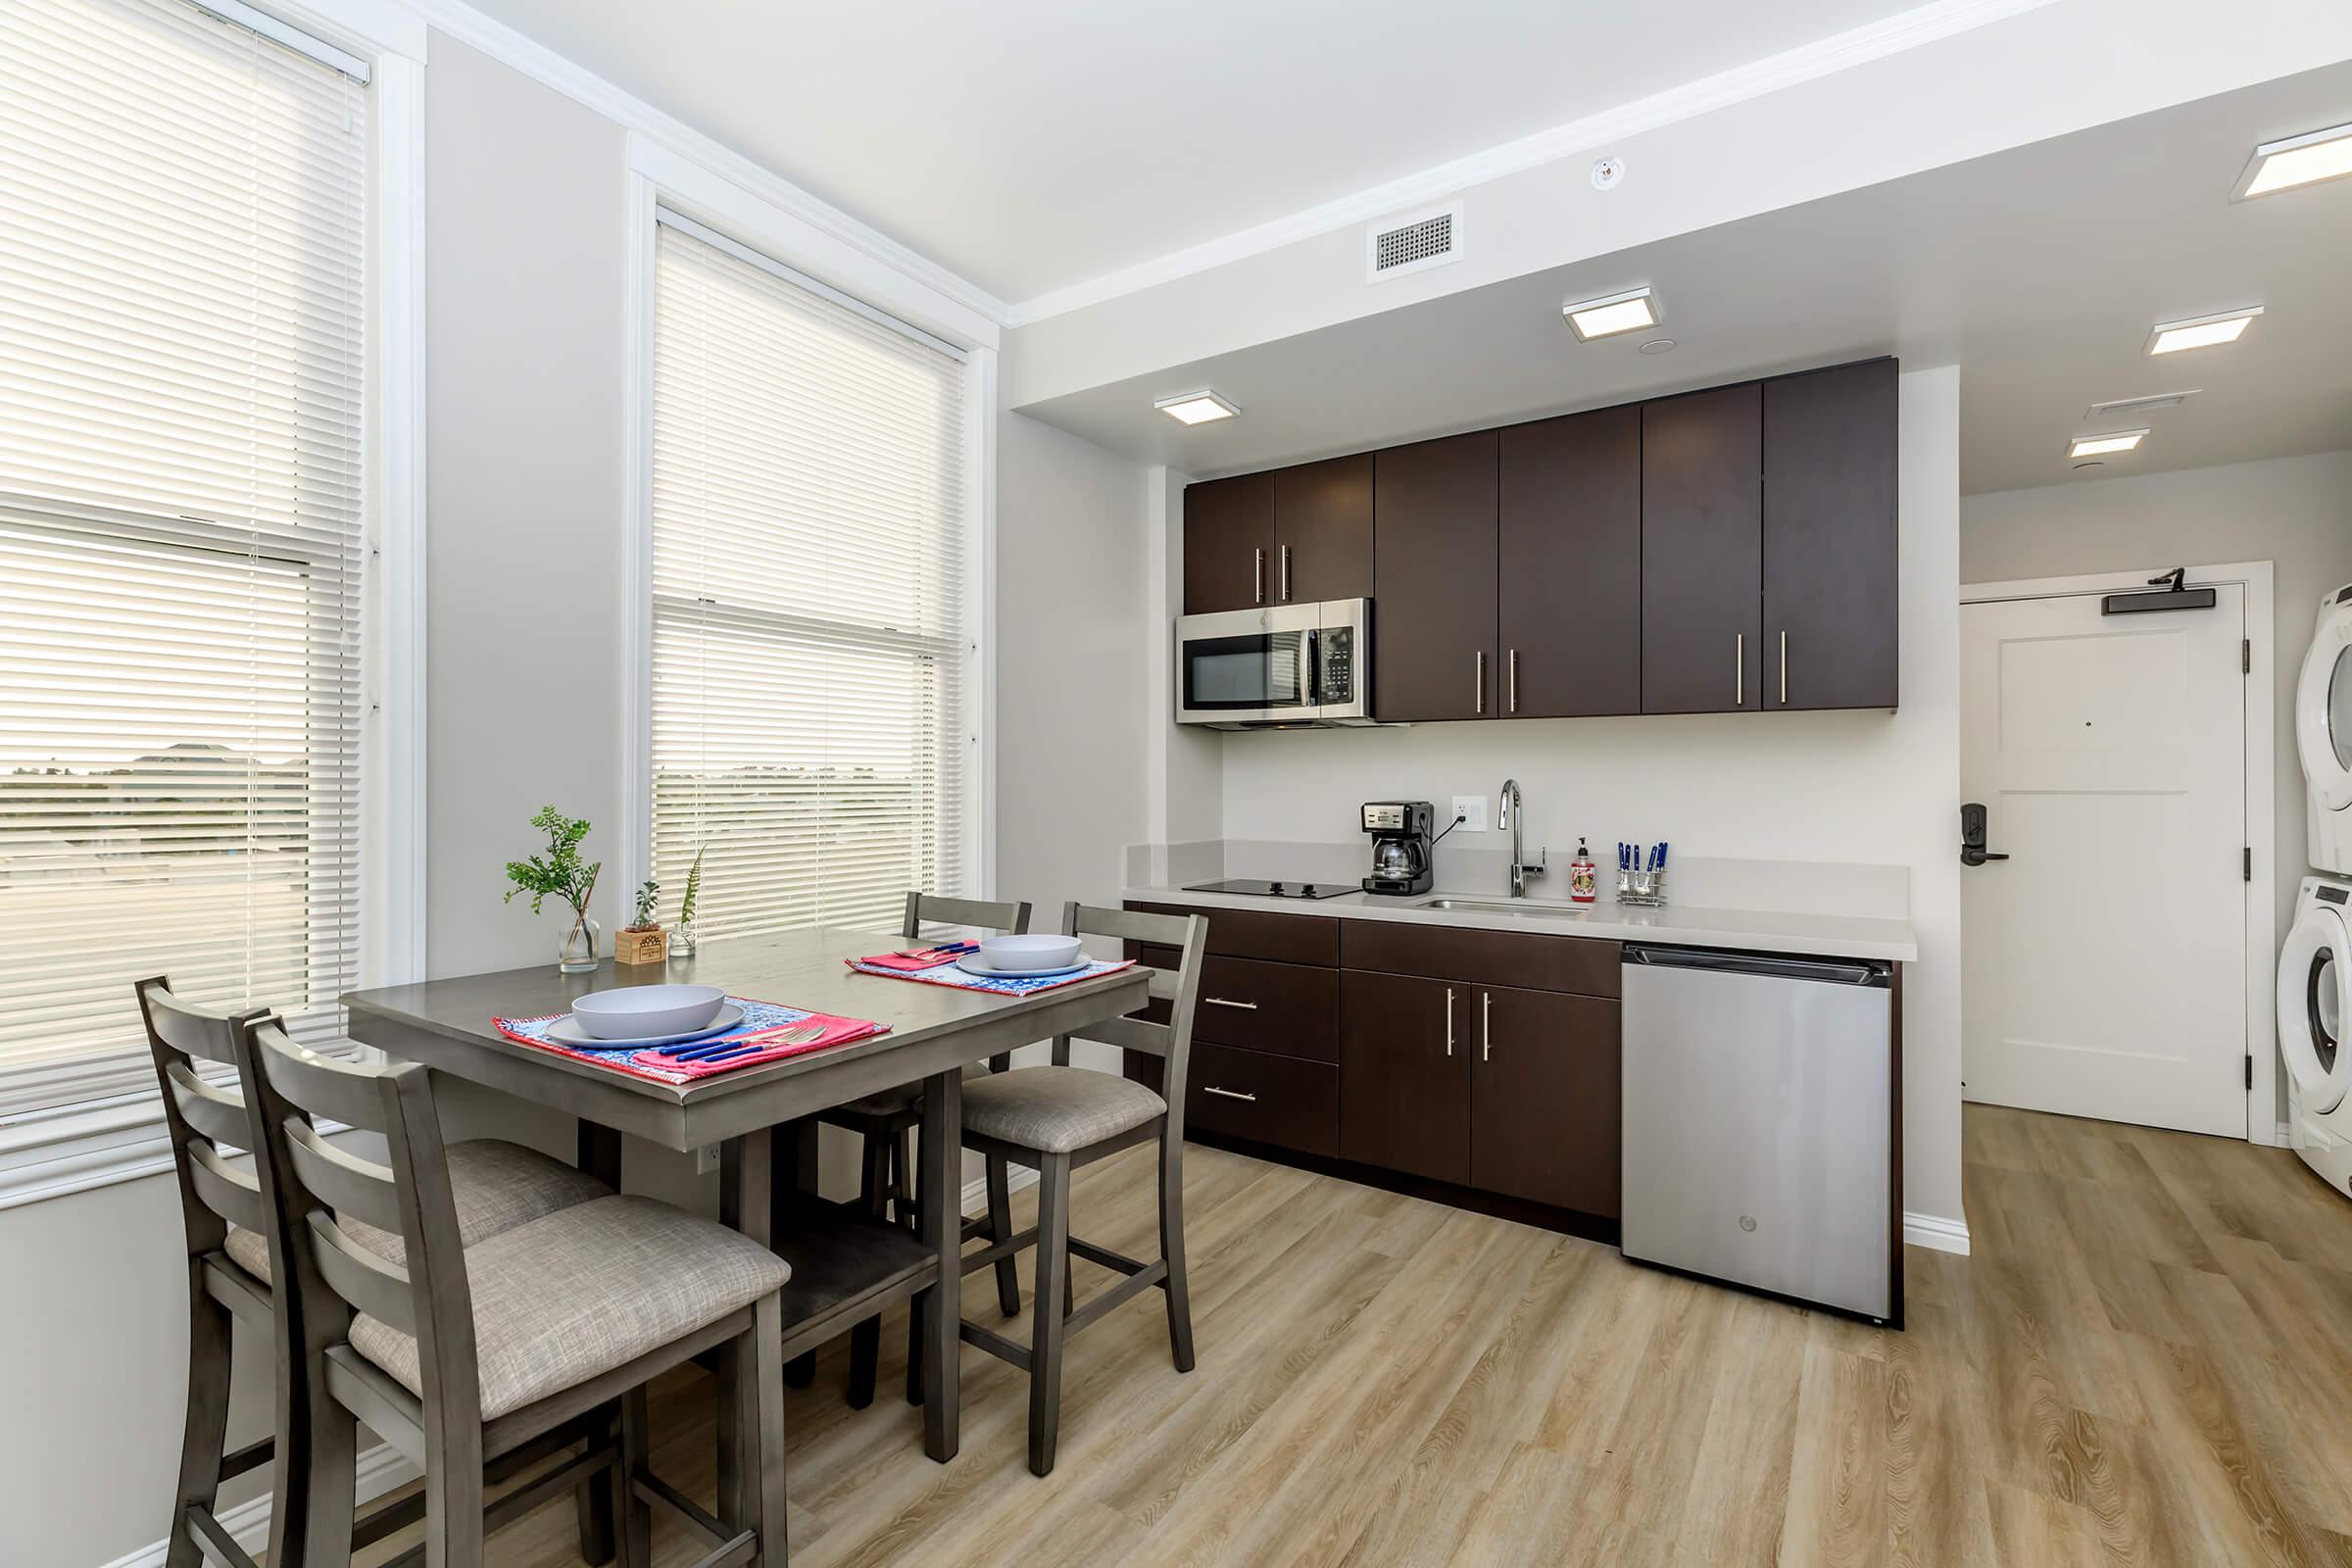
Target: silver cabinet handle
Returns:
[1222, 1001]
[1450, 1020]
[1739, 669]
[1486, 1025]
[1514, 708]
[1257, 576]
[1286, 574]
[1229, 1093]
[1784, 666]
[1478, 681]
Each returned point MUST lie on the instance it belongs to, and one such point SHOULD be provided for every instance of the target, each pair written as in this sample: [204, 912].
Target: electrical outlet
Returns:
[1472, 809]
[706, 1160]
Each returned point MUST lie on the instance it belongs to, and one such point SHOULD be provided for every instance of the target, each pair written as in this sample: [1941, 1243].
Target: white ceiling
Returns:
[1031, 144]
[2038, 270]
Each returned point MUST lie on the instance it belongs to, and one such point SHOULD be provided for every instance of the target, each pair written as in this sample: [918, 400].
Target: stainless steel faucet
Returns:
[1510, 812]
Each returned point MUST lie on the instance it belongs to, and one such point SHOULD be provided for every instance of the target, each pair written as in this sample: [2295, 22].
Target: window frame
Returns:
[662, 180]
[69, 1126]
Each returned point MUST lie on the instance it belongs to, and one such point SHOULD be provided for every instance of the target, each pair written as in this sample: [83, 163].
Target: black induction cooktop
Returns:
[1252, 888]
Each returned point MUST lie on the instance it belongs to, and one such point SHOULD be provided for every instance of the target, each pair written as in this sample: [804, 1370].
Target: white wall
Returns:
[1850, 787]
[1072, 576]
[524, 235]
[2295, 513]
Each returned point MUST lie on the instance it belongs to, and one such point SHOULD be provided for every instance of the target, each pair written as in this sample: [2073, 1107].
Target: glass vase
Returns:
[681, 940]
[578, 953]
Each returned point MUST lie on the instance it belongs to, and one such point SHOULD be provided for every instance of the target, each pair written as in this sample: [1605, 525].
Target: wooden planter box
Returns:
[641, 947]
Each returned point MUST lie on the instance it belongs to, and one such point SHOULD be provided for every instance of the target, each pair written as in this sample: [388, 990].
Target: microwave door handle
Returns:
[1311, 650]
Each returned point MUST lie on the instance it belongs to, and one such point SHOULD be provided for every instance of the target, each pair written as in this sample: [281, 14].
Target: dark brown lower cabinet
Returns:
[1266, 1099]
[1404, 1074]
[1544, 1098]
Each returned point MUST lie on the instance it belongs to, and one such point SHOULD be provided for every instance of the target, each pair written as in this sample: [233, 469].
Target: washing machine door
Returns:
[2315, 1004]
[2323, 712]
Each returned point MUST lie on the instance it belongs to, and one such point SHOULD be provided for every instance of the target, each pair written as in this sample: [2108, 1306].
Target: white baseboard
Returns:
[976, 1191]
[1935, 1231]
[380, 1470]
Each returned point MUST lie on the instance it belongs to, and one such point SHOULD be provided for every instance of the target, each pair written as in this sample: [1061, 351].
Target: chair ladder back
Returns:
[233, 1194]
[1171, 1042]
[343, 1181]
[200, 1115]
[408, 1194]
[932, 909]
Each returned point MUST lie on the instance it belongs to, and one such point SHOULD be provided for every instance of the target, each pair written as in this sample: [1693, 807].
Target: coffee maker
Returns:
[1401, 846]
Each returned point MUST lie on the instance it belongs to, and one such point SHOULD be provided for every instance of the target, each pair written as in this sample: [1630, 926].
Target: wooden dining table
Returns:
[845, 1264]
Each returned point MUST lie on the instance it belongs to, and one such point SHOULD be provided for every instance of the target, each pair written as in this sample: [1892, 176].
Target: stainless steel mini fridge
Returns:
[1760, 1136]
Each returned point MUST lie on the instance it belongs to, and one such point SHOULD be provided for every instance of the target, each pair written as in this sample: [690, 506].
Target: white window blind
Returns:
[181, 386]
[812, 555]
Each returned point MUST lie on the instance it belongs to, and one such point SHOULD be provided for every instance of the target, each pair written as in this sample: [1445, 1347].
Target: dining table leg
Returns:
[795, 1181]
[598, 1154]
[943, 1233]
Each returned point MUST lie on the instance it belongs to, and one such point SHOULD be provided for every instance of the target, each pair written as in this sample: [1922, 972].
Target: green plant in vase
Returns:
[682, 941]
[560, 873]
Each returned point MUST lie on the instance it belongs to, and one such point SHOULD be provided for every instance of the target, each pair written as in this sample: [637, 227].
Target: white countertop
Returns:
[1756, 930]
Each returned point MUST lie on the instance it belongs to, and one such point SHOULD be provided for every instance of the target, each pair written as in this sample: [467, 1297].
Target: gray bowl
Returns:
[1029, 954]
[640, 1012]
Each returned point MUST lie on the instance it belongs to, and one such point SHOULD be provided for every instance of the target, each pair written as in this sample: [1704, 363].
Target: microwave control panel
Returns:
[1336, 650]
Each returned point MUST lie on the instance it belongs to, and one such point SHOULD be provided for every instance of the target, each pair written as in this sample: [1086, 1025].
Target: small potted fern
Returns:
[642, 940]
[682, 940]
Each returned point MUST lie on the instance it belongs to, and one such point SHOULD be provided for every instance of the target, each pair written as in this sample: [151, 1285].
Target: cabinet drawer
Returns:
[1265, 1098]
[1581, 965]
[1276, 938]
[1285, 1008]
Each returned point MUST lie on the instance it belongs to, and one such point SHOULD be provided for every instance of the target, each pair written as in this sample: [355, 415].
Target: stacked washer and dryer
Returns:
[2315, 969]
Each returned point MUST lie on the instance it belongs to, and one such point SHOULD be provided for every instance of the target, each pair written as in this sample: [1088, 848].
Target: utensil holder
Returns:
[1641, 890]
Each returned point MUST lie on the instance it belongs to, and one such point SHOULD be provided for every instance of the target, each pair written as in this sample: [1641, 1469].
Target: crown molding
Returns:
[1824, 57]
[535, 59]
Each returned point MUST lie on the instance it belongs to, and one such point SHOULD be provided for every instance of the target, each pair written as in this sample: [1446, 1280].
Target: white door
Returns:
[2104, 962]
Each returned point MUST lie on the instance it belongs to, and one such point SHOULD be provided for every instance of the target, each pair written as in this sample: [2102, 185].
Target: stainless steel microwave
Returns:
[1285, 664]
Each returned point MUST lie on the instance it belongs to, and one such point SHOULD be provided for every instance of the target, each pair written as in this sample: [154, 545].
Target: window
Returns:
[183, 318]
[811, 557]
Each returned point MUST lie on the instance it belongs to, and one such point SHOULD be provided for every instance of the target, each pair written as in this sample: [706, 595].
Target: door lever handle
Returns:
[1972, 837]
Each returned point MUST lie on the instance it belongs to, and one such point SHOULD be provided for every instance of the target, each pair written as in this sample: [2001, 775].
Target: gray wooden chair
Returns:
[462, 1357]
[887, 1122]
[225, 1210]
[1059, 1118]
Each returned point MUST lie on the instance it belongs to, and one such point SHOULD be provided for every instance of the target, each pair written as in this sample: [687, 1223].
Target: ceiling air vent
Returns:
[1401, 245]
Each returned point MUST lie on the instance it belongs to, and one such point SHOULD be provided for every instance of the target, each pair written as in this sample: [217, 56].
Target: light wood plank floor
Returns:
[2148, 1359]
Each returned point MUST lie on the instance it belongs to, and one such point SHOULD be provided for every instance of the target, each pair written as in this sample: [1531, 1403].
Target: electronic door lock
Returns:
[1972, 837]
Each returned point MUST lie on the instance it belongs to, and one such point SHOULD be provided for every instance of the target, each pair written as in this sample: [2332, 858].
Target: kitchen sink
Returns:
[1526, 910]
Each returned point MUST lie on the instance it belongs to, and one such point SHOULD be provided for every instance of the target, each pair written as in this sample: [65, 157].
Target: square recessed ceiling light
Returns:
[2098, 446]
[1629, 311]
[2298, 161]
[2201, 331]
[1195, 408]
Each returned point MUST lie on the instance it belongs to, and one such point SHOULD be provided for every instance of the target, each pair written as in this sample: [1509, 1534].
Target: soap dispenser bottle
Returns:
[1583, 879]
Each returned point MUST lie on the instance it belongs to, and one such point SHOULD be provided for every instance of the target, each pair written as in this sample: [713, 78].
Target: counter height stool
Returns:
[225, 1212]
[886, 1123]
[1058, 1118]
[458, 1355]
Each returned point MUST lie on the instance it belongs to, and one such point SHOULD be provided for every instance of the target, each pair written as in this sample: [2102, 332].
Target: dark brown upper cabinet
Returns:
[1433, 579]
[1229, 556]
[1323, 531]
[1570, 585]
[1703, 552]
[1831, 538]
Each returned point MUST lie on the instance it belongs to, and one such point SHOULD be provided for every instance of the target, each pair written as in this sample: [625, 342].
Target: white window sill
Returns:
[61, 1150]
